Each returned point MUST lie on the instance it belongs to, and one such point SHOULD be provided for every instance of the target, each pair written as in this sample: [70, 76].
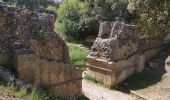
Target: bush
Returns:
[80, 18]
[68, 18]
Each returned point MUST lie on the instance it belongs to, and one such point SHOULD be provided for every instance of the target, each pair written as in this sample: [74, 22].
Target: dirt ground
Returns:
[154, 87]
[158, 91]
[95, 92]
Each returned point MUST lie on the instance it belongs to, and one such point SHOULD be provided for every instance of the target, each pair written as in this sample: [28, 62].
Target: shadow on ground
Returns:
[148, 77]
[142, 80]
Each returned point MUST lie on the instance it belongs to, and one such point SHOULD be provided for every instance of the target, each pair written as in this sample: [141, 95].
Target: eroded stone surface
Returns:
[39, 54]
[122, 52]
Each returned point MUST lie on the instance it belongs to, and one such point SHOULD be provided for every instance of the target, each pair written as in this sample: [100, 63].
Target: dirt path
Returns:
[94, 92]
[159, 91]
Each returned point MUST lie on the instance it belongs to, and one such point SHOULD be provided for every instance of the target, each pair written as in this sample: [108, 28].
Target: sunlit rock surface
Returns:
[27, 40]
[119, 51]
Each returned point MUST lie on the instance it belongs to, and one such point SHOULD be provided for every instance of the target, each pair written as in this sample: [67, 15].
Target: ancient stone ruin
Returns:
[28, 42]
[119, 51]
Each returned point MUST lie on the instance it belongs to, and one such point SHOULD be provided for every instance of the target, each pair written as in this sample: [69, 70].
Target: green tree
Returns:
[80, 18]
[68, 18]
[154, 16]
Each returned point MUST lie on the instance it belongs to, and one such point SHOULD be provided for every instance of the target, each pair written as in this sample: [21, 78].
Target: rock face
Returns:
[39, 54]
[119, 52]
[167, 65]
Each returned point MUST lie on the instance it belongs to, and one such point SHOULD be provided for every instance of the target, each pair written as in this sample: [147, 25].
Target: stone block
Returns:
[59, 78]
[112, 73]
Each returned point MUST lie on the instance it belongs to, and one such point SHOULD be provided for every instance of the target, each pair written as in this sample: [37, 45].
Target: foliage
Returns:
[22, 92]
[31, 4]
[80, 18]
[40, 36]
[77, 56]
[52, 8]
[68, 18]
[92, 79]
[154, 15]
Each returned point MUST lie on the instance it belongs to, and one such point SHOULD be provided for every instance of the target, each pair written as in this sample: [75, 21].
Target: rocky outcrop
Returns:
[39, 54]
[120, 51]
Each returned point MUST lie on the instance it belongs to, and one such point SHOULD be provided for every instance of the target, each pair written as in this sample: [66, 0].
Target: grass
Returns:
[24, 92]
[21, 92]
[92, 79]
[78, 56]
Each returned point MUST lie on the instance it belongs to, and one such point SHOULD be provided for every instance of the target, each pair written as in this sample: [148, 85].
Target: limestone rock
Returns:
[39, 54]
[115, 57]
[105, 28]
[121, 44]
[122, 51]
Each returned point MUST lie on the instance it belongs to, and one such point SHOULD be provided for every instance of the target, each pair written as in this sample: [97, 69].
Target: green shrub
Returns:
[41, 37]
[80, 18]
[68, 18]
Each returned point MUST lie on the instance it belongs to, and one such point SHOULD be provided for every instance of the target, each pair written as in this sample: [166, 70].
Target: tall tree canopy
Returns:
[154, 15]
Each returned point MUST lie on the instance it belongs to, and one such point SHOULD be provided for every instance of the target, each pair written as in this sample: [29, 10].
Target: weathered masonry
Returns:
[27, 40]
[119, 51]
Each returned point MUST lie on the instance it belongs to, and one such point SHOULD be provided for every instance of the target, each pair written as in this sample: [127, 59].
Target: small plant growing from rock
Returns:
[40, 36]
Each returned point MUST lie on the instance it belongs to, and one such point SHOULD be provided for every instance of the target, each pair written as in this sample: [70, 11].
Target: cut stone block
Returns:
[111, 73]
[59, 78]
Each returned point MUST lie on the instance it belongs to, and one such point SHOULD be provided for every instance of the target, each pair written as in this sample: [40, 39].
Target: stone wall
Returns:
[119, 51]
[39, 54]
[59, 78]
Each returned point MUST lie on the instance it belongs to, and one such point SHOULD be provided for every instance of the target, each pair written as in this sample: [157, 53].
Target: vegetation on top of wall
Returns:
[40, 36]
[154, 16]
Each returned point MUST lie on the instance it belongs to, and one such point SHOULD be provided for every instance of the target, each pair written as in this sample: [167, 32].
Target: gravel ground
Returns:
[94, 92]
[159, 91]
